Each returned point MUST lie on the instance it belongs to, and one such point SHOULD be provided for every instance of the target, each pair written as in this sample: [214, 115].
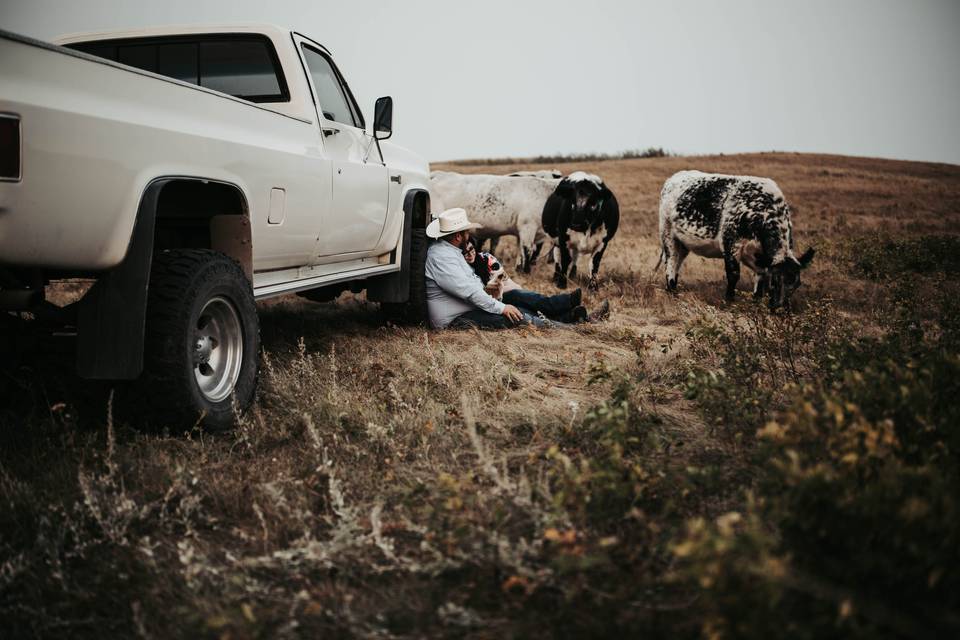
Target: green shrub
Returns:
[863, 484]
[600, 485]
[855, 528]
[880, 257]
[738, 368]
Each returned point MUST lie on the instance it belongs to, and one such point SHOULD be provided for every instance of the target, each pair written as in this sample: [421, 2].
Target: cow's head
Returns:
[585, 193]
[784, 277]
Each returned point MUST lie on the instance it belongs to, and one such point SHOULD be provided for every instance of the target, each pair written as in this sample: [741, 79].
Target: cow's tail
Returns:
[659, 261]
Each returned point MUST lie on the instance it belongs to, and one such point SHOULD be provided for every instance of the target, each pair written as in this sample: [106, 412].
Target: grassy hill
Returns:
[689, 467]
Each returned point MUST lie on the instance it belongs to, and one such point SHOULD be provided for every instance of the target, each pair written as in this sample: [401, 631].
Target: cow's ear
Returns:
[806, 258]
[764, 261]
[605, 193]
[565, 188]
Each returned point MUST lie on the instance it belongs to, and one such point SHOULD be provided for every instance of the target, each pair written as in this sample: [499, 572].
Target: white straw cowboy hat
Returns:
[450, 221]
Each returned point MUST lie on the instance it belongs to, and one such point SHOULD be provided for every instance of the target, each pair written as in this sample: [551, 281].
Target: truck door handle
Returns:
[395, 179]
[329, 131]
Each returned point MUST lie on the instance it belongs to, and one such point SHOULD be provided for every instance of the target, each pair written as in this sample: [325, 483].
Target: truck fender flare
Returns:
[417, 219]
[111, 317]
[395, 287]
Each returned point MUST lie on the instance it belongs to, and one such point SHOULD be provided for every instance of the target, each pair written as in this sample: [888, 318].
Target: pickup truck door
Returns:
[360, 181]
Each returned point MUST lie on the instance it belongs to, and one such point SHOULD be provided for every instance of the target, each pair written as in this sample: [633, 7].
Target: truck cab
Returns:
[146, 157]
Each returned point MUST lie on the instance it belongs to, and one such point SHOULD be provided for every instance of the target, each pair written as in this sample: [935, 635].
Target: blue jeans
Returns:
[550, 306]
[487, 320]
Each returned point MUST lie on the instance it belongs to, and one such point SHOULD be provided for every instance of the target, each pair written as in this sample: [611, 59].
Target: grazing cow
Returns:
[737, 218]
[551, 174]
[503, 205]
[581, 217]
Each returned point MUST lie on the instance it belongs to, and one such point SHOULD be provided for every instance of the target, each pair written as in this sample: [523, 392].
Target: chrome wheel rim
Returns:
[217, 349]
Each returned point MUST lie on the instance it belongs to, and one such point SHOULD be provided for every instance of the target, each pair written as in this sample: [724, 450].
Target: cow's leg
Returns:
[575, 258]
[597, 257]
[665, 233]
[674, 252]
[761, 283]
[551, 258]
[536, 254]
[563, 263]
[526, 239]
[731, 265]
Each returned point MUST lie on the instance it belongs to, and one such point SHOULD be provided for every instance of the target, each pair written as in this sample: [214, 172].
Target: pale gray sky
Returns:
[520, 78]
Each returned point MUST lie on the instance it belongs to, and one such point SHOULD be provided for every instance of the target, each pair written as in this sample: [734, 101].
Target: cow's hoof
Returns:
[560, 281]
[672, 286]
[593, 285]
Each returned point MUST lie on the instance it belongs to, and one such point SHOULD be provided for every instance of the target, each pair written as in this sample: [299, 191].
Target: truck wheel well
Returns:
[201, 214]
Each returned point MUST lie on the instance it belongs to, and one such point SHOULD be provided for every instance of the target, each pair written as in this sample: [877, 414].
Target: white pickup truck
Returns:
[190, 172]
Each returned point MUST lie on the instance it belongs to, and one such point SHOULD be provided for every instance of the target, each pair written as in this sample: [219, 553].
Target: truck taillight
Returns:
[9, 147]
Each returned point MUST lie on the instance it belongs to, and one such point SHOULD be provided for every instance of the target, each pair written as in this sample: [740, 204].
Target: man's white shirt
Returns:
[452, 287]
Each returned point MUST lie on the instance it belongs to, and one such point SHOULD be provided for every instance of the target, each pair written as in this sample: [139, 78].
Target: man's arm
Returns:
[463, 283]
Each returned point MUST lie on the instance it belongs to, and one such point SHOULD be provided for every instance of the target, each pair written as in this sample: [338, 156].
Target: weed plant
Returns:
[853, 525]
[689, 468]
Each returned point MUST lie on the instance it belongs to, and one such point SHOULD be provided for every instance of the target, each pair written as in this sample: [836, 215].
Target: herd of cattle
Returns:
[741, 219]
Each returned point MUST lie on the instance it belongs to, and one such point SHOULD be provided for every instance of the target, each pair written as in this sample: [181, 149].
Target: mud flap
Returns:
[112, 315]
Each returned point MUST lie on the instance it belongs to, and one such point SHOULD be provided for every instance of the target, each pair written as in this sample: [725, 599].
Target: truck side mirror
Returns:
[383, 118]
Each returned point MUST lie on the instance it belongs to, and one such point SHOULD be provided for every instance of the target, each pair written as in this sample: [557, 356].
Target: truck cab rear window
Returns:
[243, 67]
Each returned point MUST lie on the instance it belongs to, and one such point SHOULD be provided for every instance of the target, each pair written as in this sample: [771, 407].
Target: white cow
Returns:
[548, 174]
[504, 205]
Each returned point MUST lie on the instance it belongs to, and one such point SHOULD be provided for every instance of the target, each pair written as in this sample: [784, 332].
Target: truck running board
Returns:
[275, 283]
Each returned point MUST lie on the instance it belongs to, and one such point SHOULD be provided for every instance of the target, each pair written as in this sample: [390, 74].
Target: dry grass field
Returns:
[689, 467]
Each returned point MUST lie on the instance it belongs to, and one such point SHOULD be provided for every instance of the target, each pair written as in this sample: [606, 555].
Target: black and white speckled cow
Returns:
[581, 217]
[737, 218]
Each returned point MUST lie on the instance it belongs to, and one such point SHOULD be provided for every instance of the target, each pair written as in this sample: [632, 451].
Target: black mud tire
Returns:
[414, 311]
[183, 284]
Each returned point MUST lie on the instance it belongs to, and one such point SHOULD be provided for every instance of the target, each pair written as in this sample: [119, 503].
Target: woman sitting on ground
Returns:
[563, 307]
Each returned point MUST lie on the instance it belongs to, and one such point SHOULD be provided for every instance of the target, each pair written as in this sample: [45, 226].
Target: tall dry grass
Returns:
[397, 482]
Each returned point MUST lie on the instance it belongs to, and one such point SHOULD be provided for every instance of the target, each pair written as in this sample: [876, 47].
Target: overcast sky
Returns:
[520, 78]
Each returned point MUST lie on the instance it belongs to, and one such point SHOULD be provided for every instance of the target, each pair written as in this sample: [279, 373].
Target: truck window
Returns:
[243, 67]
[331, 97]
[178, 61]
[142, 56]
[100, 49]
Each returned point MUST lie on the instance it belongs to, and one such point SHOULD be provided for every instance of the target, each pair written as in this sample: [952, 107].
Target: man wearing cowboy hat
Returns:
[455, 295]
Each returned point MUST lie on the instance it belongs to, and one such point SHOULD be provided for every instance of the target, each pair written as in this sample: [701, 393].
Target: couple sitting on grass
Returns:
[466, 288]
